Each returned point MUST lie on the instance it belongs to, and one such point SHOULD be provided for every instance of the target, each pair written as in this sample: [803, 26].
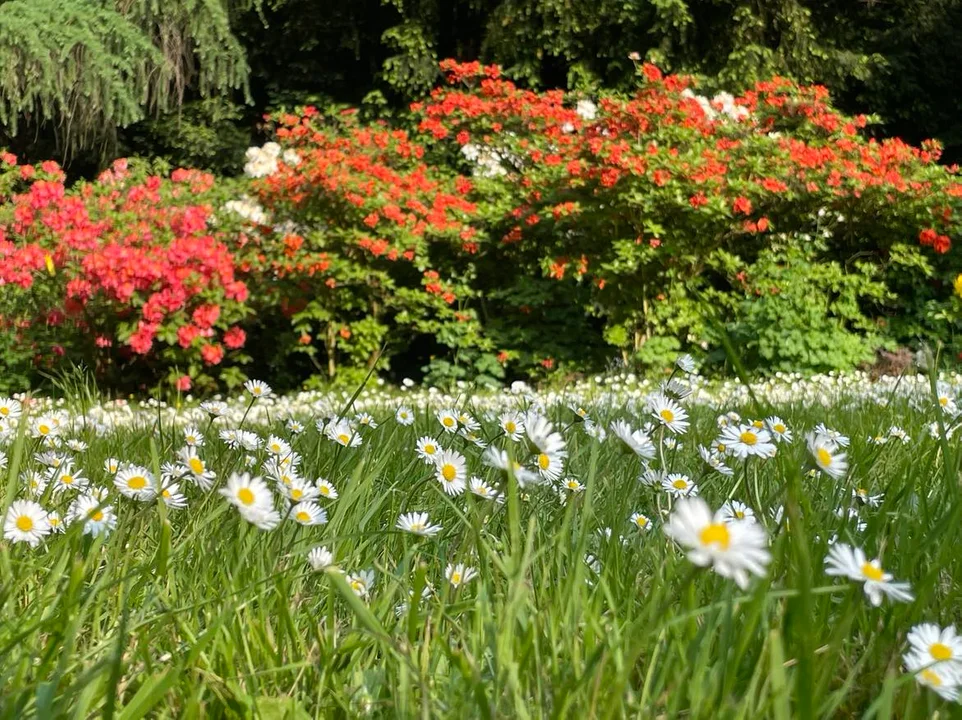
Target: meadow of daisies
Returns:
[617, 548]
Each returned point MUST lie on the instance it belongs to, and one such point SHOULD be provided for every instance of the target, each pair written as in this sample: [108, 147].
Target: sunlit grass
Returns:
[574, 612]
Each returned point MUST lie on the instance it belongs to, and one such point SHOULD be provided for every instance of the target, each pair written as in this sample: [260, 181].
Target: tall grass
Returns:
[195, 613]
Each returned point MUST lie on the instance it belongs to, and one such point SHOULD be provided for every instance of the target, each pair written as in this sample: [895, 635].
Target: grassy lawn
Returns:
[561, 570]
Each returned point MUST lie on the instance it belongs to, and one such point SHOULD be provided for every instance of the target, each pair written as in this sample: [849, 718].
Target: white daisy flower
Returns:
[452, 471]
[936, 645]
[744, 441]
[404, 416]
[735, 511]
[641, 521]
[278, 447]
[135, 482]
[679, 485]
[779, 430]
[715, 461]
[595, 431]
[428, 449]
[320, 558]
[734, 550]
[480, 488]
[512, 424]
[326, 489]
[93, 513]
[257, 389]
[342, 432]
[172, 496]
[366, 420]
[10, 409]
[685, 363]
[66, 478]
[193, 437]
[361, 583]
[308, 513]
[862, 496]
[572, 485]
[448, 419]
[669, 413]
[550, 465]
[637, 440]
[845, 561]
[833, 435]
[943, 679]
[459, 574]
[828, 458]
[418, 524]
[541, 433]
[253, 499]
[197, 471]
[25, 521]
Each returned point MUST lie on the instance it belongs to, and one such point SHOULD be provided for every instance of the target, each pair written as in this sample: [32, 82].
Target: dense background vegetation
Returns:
[190, 79]
[657, 176]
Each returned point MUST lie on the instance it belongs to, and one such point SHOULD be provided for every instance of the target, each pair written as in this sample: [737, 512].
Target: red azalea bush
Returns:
[369, 247]
[115, 271]
[652, 210]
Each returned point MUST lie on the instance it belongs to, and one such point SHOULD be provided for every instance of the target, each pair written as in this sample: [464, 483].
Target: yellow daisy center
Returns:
[824, 457]
[24, 523]
[449, 472]
[245, 496]
[448, 422]
[943, 401]
[940, 652]
[456, 578]
[44, 429]
[544, 462]
[4, 411]
[344, 438]
[196, 466]
[716, 534]
[758, 424]
[931, 677]
[275, 448]
[137, 482]
[165, 493]
[641, 521]
[53, 520]
[66, 479]
[357, 585]
[740, 514]
[510, 427]
[667, 415]
[325, 490]
[779, 428]
[871, 572]
[679, 484]
[720, 447]
[303, 516]
[748, 437]
[97, 515]
[573, 484]
[296, 493]
[430, 449]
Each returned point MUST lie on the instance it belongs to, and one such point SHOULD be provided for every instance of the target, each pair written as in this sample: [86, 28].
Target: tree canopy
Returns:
[190, 79]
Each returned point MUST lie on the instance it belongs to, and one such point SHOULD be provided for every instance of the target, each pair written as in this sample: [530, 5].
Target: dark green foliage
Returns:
[78, 69]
